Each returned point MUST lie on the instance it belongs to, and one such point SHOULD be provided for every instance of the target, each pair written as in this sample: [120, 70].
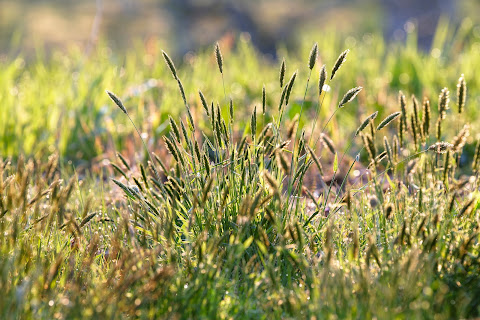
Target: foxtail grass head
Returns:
[388, 120]
[219, 57]
[460, 140]
[426, 117]
[340, 60]
[313, 56]
[170, 64]
[443, 101]
[322, 78]
[264, 98]
[117, 101]
[283, 69]
[366, 122]
[290, 87]
[461, 93]
[349, 96]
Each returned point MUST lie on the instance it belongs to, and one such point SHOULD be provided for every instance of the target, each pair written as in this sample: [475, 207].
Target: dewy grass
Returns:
[210, 228]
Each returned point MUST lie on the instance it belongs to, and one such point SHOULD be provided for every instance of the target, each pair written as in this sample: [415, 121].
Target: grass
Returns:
[82, 126]
[246, 216]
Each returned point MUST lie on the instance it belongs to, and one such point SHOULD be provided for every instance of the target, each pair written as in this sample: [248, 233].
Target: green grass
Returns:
[234, 221]
[82, 126]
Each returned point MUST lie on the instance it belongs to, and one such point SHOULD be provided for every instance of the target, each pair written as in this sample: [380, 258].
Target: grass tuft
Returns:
[252, 224]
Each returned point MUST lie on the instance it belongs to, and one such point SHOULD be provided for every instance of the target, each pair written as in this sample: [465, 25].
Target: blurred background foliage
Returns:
[58, 57]
[190, 24]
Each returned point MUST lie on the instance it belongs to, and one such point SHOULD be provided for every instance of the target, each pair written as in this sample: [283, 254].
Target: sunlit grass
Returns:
[240, 213]
[81, 125]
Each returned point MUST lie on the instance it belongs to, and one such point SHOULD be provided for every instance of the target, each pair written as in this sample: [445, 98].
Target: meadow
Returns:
[338, 182]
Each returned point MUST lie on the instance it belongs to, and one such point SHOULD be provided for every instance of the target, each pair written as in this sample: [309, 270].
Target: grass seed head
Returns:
[461, 93]
[124, 161]
[395, 147]
[439, 129]
[460, 140]
[219, 57]
[264, 102]
[171, 148]
[271, 181]
[282, 97]
[182, 91]
[117, 101]
[253, 122]
[266, 133]
[293, 126]
[388, 210]
[282, 162]
[388, 149]
[401, 130]
[373, 130]
[416, 115]
[356, 243]
[289, 87]
[446, 167]
[139, 186]
[349, 96]
[476, 158]
[206, 190]
[206, 163]
[443, 101]
[403, 108]
[327, 142]
[322, 78]
[340, 60]
[174, 127]
[348, 199]
[366, 122]
[204, 102]
[388, 120]
[87, 219]
[301, 144]
[313, 56]
[119, 170]
[283, 69]
[212, 115]
[414, 129]
[197, 152]
[218, 132]
[218, 114]
[225, 132]
[316, 160]
[426, 118]
[373, 201]
[191, 123]
[170, 64]
[370, 146]
[184, 132]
